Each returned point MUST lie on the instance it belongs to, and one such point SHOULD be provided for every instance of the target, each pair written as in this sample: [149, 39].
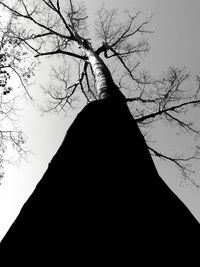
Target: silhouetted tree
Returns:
[108, 203]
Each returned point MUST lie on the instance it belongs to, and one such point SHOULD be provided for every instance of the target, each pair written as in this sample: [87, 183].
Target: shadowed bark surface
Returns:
[101, 195]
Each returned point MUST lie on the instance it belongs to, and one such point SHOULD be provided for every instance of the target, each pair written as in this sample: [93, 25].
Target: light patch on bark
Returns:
[104, 83]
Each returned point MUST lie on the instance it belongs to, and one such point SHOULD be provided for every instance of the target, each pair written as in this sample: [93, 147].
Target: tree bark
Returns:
[104, 83]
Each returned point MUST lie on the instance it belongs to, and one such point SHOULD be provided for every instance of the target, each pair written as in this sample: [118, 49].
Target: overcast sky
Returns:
[176, 41]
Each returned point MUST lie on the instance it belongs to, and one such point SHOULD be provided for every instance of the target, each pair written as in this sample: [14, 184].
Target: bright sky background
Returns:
[176, 41]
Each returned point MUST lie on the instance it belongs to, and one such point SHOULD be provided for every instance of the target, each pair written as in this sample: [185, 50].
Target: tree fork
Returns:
[104, 83]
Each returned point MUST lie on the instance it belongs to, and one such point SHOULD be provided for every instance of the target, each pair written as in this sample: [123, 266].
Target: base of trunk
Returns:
[100, 196]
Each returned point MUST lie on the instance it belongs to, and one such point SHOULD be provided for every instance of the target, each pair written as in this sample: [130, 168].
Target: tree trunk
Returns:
[101, 198]
[104, 83]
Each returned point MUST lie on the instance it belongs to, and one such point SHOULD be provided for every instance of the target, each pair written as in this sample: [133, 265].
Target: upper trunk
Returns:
[104, 83]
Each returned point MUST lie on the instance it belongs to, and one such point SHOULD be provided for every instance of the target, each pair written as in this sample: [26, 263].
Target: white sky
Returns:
[176, 41]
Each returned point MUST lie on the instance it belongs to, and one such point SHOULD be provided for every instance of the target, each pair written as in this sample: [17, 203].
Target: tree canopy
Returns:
[47, 28]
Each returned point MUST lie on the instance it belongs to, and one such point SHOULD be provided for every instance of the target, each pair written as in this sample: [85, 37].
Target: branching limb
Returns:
[59, 51]
[180, 163]
[173, 108]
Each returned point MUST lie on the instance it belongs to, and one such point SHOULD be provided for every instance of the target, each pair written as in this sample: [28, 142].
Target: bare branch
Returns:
[28, 16]
[186, 172]
[183, 124]
[173, 108]
[59, 51]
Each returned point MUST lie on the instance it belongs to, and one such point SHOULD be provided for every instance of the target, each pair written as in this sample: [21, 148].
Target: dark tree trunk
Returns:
[101, 195]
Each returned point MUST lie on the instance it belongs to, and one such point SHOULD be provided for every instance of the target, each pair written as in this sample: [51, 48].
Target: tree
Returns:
[60, 28]
[97, 205]
[12, 68]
